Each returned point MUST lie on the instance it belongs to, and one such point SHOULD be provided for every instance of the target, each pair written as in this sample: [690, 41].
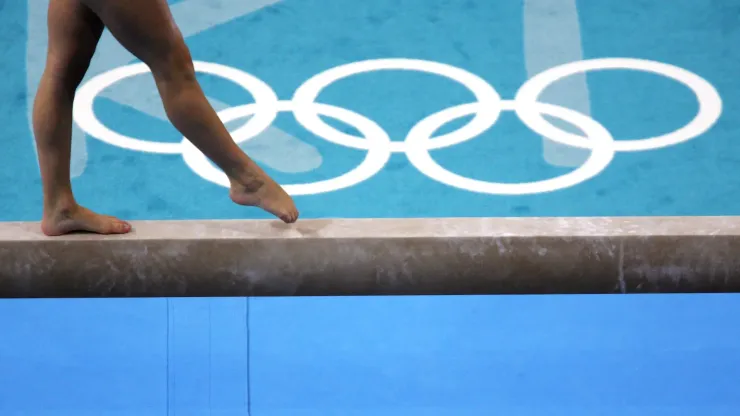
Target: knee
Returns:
[173, 63]
[67, 71]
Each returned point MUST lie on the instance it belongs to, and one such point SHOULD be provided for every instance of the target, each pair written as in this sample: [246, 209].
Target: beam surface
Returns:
[440, 256]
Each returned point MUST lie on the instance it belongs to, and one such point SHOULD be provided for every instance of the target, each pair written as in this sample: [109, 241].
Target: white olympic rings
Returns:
[377, 155]
[84, 114]
[420, 140]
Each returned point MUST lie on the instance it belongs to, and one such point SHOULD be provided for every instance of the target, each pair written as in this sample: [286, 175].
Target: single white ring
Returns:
[710, 103]
[602, 152]
[309, 91]
[376, 158]
[84, 113]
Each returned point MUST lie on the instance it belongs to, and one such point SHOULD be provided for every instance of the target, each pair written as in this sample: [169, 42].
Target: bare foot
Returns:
[259, 190]
[77, 218]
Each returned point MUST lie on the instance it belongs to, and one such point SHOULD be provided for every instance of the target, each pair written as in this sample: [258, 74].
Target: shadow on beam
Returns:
[441, 256]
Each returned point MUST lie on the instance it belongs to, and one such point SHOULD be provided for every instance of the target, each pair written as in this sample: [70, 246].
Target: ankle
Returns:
[64, 205]
[249, 178]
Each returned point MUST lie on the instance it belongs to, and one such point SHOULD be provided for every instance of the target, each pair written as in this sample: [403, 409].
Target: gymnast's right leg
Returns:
[74, 31]
[146, 28]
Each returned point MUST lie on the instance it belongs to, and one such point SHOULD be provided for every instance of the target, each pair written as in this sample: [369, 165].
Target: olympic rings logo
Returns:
[420, 140]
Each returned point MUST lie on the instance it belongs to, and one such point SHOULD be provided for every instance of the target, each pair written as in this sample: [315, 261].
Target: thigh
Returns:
[74, 32]
[144, 27]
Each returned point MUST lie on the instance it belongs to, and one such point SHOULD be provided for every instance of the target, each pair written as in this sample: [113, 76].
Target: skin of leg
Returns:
[146, 28]
[74, 31]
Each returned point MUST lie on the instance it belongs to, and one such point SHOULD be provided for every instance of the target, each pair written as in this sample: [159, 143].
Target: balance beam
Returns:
[354, 257]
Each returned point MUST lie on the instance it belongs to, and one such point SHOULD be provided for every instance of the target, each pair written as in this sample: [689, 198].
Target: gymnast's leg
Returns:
[146, 29]
[74, 31]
